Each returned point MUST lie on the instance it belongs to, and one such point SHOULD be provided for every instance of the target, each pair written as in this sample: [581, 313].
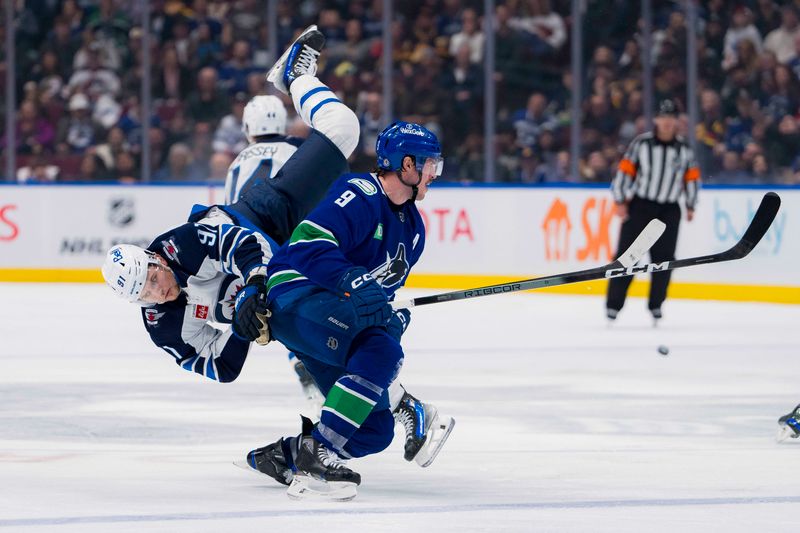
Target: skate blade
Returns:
[305, 487]
[274, 76]
[438, 433]
[785, 433]
[244, 465]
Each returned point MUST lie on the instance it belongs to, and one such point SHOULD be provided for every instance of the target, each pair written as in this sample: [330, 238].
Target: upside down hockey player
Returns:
[329, 289]
[191, 274]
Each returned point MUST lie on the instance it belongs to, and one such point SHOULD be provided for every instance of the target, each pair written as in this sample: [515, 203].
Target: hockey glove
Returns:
[398, 323]
[250, 310]
[366, 296]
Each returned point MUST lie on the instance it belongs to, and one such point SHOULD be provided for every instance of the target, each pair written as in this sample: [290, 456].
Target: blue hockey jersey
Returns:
[355, 225]
[211, 256]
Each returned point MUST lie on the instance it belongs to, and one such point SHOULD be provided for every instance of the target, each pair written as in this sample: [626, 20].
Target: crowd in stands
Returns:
[79, 74]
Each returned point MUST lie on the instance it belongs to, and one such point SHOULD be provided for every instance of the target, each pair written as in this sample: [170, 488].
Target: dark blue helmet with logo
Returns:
[406, 138]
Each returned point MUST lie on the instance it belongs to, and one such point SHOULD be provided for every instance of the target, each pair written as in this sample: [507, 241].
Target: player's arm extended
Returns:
[195, 345]
[318, 246]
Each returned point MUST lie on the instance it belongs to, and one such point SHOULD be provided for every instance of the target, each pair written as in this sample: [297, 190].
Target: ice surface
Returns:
[563, 424]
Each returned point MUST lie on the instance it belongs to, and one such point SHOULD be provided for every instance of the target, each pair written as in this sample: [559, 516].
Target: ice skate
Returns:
[321, 473]
[657, 315]
[789, 425]
[300, 58]
[313, 396]
[426, 431]
[271, 460]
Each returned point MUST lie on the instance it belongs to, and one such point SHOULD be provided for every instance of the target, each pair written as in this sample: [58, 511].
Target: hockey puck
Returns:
[663, 350]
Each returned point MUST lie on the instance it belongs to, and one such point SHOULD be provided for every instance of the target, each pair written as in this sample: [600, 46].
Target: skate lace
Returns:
[307, 60]
[330, 459]
[406, 418]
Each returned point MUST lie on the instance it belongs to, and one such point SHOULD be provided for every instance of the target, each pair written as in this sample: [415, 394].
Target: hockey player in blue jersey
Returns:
[329, 290]
[212, 269]
[264, 125]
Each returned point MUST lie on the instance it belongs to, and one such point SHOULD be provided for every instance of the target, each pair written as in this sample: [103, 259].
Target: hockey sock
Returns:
[348, 404]
[319, 107]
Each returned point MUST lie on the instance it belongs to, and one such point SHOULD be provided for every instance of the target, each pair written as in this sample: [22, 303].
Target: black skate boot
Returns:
[272, 461]
[426, 431]
[300, 58]
[320, 471]
[789, 425]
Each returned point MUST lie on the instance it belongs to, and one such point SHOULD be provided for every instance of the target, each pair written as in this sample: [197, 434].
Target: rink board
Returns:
[475, 235]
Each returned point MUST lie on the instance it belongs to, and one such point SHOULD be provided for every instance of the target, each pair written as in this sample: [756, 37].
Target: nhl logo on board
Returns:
[121, 212]
[333, 344]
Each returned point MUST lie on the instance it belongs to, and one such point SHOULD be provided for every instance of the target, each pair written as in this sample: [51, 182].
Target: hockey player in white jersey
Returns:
[213, 268]
[264, 125]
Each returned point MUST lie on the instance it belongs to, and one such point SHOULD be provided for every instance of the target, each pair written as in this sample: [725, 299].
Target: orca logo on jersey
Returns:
[394, 270]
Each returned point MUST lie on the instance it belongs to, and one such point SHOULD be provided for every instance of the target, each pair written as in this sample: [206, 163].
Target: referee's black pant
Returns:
[640, 212]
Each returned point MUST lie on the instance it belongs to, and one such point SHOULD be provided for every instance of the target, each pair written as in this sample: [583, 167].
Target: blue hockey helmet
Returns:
[400, 139]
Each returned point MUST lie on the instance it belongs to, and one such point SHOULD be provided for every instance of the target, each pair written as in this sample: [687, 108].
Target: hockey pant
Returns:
[278, 205]
[640, 212]
[353, 368]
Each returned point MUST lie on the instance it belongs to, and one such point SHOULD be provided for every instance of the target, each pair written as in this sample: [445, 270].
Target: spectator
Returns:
[464, 82]
[732, 171]
[531, 121]
[354, 49]
[760, 169]
[218, 166]
[371, 120]
[206, 103]
[554, 170]
[37, 171]
[205, 50]
[781, 40]
[76, 132]
[233, 73]
[34, 134]
[94, 77]
[115, 145]
[180, 166]
[741, 29]
[125, 169]
[92, 168]
[470, 35]
[229, 137]
[768, 17]
[172, 80]
[544, 29]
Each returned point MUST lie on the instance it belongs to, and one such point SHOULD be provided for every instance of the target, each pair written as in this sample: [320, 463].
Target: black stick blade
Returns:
[762, 220]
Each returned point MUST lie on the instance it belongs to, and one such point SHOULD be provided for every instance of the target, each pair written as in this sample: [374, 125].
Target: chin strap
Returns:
[414, 187]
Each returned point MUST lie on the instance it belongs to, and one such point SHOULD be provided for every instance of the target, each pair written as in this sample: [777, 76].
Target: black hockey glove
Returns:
[250, 310]
[398, 323]
[367, 297]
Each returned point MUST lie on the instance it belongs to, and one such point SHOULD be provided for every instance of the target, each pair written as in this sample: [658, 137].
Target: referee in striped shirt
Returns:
[657, 168]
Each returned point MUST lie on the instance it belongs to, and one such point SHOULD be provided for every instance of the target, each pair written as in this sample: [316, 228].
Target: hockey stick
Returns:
[625, 265]
[628, 259]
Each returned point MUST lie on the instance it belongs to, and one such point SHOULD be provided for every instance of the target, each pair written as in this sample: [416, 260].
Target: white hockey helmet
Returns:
[125, 270]
[264, 115]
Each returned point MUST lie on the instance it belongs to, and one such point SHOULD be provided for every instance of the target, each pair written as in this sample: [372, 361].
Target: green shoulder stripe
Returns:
[308, 231]
[284, 276]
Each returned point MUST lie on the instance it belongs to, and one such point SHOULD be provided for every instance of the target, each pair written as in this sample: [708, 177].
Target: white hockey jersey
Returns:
[260, 160]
